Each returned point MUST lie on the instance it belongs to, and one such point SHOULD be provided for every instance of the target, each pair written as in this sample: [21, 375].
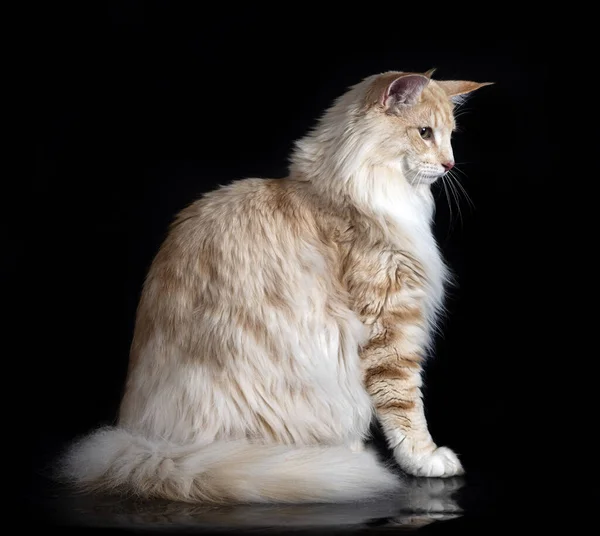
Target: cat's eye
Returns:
[425, 132]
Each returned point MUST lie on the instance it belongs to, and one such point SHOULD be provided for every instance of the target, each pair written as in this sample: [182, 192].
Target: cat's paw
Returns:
[441, 462]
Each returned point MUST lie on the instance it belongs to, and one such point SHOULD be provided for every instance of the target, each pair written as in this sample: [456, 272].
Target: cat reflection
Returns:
[423, 501]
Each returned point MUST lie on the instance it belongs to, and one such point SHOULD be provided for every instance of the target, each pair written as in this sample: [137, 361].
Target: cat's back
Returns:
[244, 216]
[253, 239]
[249, 203]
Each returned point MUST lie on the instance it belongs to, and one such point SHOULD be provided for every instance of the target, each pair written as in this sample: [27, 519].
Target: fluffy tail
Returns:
[113, 459]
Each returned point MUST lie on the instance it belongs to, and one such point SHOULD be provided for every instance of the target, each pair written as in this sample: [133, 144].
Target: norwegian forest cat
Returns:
[280, 317]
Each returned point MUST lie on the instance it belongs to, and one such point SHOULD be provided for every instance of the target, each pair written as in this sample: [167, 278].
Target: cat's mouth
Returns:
[423, 175]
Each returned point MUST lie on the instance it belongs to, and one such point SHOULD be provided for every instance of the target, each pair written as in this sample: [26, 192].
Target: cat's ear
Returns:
[429, 73]
[405, 89]
[459, 90]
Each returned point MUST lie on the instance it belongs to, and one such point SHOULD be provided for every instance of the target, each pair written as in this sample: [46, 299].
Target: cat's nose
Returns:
[448, 165]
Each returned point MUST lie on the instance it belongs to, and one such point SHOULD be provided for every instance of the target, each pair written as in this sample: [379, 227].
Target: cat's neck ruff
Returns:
[383, 193]
[404, 212]
[346, 169]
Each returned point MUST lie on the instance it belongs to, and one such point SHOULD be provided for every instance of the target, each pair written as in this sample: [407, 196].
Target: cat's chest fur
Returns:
[411, 231]
[396, 237]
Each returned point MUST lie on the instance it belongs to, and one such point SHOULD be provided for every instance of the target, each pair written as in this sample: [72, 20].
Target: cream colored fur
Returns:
[255, 351]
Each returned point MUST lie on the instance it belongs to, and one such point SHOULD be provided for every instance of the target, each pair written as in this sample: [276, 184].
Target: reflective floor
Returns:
[476, 501]
[422, 503]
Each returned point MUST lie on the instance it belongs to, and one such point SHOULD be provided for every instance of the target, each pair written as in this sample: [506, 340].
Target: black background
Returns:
[142, 107]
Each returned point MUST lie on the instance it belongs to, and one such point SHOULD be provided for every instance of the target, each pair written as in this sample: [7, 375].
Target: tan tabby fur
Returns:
[280, 316]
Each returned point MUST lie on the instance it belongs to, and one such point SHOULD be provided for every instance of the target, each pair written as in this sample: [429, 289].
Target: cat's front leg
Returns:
[392, 365]
[389, 292]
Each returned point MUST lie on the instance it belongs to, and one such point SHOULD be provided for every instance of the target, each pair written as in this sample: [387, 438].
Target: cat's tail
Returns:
[113, 459]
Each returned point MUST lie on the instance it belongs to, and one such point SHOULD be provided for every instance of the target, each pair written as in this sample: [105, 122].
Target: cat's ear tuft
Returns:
[429, 73]
[404, 90]
[459, 90]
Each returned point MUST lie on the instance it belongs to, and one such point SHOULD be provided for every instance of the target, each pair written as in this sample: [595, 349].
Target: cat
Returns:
[281, 316]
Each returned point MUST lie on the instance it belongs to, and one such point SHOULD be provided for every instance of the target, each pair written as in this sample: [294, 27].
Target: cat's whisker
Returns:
[417, 177]
[462, 162]
[460, 114]
[455, 197]
[447, 198]
[462, 188]
[455, 168]
[467, 196]
[458, 207]
[461, 109]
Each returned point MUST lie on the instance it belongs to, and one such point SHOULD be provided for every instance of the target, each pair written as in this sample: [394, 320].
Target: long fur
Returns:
[279, 317]
[113, 459]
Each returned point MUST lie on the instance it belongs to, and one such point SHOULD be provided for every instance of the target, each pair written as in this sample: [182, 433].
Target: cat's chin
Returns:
[425, 181]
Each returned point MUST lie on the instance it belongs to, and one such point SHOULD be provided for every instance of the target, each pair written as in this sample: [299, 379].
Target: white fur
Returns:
[232, 471]
[441, 462]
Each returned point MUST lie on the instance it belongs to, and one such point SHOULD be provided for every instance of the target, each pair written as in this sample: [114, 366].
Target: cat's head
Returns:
[409, 120]
[396, 121]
